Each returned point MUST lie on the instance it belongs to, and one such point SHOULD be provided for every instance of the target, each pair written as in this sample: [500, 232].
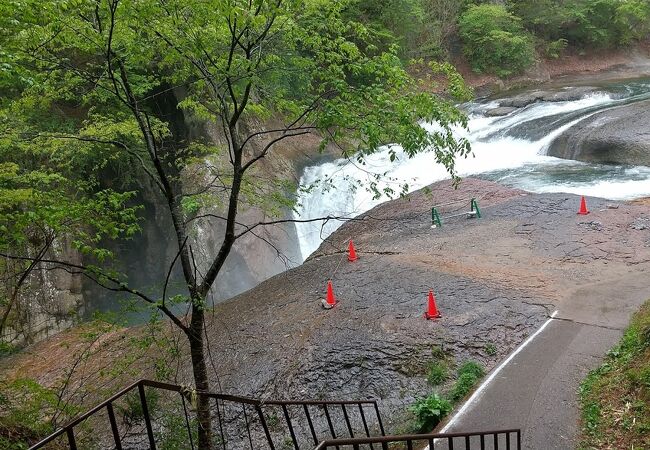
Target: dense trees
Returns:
[586, 23]
[90, 85]
[495, 40]
[432, 28]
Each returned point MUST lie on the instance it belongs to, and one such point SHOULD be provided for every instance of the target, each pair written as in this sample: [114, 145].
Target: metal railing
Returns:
[241, 422]
[485, 440]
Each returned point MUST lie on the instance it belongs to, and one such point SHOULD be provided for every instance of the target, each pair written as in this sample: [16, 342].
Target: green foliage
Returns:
[7, 349]
[472, 368]
[429, 411]
[438, 372]
[495, 41]
[490, 349]
[132, 411]
[95, 113]
[615, 396]
[391, 21]
[463, 386]
[172, 434]
[27, 413]
[554, 49]
[468, 375]
[438, 352]
[585, 23]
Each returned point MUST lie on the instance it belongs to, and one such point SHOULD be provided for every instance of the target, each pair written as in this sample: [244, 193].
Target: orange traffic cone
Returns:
[352, 253]
[330, 300]
[583, 207]
[432, 312]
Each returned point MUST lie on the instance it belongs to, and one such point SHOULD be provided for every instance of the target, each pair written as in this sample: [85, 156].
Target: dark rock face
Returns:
[500, 111]
[147, 257]
[49, 303]
[564, 95]
[615, 136]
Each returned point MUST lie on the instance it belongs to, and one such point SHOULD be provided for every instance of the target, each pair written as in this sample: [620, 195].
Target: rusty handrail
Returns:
[68, 428]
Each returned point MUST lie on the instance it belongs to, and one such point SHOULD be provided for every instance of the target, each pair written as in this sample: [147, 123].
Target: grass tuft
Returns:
[438, 373]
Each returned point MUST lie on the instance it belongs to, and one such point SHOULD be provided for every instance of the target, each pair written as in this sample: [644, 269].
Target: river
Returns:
[510, 150]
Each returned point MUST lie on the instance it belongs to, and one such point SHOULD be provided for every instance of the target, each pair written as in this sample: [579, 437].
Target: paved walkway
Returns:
[537, 390]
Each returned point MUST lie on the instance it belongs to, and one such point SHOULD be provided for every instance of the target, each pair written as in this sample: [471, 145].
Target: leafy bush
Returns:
[173, 433]
[429, 411]
[132, 411]
[468, 375]
[491, 349]
[463, 385]
[594, 23]
[26, 413]
[438, 373]
[495, 40]
[555, 48]
[472, 368]
[7, 349]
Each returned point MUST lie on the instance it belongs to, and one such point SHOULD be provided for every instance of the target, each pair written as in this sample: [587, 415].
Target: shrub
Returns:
[7, 349]
[132, 411]
[491, 349]
[495, 41]
[632, 20]
[473, 368]
[468, 375]
[554, 49]
[593, 23]
[26, 412]
[429, 411]
[438, 373]
[463, 385]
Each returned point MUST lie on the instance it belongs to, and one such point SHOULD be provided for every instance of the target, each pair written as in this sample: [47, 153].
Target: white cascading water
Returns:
[497, 155]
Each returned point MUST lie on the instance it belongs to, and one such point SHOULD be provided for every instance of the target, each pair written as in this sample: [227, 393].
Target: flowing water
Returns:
[510, 150]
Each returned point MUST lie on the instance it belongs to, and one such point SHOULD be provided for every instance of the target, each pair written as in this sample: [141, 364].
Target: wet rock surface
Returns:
[496, 280]
[616, 136]
[500, 111]
[564, 95]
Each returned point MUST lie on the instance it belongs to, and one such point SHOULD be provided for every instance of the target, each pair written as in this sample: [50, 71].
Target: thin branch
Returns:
[86, 271]
[268, 146]
[169, 272]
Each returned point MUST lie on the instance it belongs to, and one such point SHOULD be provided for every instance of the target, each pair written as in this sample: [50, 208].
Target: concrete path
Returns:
[537, 390]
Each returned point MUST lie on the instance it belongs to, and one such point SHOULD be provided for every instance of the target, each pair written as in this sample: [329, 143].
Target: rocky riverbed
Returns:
[496, 278]
[615, 136]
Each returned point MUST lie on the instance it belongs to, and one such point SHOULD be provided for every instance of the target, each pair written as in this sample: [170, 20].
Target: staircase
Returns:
[150, 414]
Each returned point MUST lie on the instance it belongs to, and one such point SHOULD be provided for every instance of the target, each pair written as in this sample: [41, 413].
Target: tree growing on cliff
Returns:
[302, 62]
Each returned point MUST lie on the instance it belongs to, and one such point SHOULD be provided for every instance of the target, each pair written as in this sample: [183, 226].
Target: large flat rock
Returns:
[619, 135]
[496, 278]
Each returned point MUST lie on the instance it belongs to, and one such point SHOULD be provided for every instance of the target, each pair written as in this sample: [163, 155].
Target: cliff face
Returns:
[49, 302]
[254, 258]
[57, 299]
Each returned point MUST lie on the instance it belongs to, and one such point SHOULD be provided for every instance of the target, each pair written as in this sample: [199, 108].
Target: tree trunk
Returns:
[200, 378]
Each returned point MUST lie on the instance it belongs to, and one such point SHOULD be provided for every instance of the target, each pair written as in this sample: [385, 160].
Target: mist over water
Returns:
[510, 150]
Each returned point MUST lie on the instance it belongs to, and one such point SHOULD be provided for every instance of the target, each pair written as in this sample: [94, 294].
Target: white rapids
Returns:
[505, 149]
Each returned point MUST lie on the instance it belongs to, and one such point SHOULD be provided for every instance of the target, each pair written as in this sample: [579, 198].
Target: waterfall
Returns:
[509, 149]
